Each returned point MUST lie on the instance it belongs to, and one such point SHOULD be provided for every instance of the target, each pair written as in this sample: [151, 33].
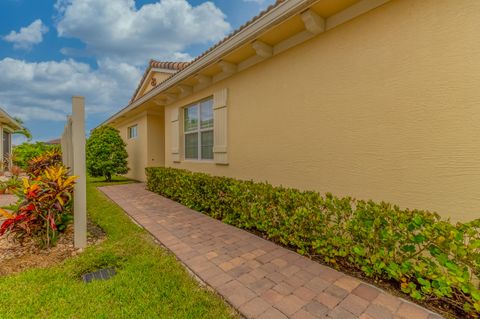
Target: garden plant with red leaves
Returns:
[43, 209]
[38, 164]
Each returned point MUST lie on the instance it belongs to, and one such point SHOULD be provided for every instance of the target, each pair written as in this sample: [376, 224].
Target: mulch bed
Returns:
[15, 258]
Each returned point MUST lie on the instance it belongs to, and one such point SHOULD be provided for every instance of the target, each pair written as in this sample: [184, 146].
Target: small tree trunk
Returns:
[108, 177]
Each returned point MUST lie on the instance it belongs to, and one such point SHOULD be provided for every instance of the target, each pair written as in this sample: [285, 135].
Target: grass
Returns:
[150, 282]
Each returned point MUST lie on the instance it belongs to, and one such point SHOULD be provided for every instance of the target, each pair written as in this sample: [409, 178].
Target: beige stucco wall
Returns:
[148, 148]
[136, 147]
[156, 142]
[384, 107]
[158, 76]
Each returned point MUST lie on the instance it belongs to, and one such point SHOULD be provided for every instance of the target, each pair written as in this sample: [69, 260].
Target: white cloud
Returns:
[27, 37]
[42, 91]
[118, 30]
[261, 3]
[120, 37]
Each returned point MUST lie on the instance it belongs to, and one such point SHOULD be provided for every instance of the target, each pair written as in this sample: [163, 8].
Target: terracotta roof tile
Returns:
[174, 66]
[54, 141]
[261, 14]
[178, 66]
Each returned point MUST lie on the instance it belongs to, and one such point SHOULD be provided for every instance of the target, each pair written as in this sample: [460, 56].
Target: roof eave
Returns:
[249, 33]
[12, 123]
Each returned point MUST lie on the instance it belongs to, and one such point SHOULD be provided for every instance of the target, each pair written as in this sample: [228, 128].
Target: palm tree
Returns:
[23, 131]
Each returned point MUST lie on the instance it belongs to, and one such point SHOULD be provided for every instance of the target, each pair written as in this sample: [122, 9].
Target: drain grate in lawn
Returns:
[102, 274]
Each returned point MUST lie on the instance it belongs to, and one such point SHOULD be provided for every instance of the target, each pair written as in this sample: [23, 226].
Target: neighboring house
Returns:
[56, 141]
[8, 125]
[373, 99]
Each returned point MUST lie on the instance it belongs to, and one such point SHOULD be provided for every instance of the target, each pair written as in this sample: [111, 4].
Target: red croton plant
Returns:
[37, 165]
[44, 206]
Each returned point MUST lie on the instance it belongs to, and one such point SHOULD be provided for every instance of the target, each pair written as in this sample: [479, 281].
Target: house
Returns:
[55, 141]
[8, 126]
[374, 99]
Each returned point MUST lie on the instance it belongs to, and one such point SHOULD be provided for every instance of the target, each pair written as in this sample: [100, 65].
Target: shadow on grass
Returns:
[116, 180]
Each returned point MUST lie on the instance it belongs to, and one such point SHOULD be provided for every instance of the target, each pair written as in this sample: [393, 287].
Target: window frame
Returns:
[129, 131]
[199, 130]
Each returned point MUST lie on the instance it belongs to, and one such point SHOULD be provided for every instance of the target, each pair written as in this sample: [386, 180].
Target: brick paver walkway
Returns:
[259, 278]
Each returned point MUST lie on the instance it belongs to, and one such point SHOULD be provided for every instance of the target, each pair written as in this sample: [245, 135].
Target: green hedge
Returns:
[427, 257]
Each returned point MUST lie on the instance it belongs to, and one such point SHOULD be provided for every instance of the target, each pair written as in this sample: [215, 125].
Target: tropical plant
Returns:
[15, 170]
[427, 257]
[3, 187]
[25, 152]
[22, 131]
[43, 209]
[12, 184]
[37, 165]
[106, 153]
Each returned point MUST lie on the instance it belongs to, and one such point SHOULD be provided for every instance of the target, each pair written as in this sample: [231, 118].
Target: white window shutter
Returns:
[220, 125]
[175, 135]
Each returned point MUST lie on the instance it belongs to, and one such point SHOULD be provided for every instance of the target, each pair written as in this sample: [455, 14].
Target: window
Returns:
[132, 131]
[198, 130]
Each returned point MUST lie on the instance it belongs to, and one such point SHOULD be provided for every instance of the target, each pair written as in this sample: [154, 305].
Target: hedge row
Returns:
[427, 257]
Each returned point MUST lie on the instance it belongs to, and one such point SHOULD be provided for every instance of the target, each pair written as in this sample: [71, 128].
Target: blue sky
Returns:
[53, 49]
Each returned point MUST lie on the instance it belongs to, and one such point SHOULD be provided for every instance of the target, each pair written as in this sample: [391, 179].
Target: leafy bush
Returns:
[12, 184]
[15, 170]
[25, 152]
[43, 209]
[106, 153]
[427, 257]
[37, 165]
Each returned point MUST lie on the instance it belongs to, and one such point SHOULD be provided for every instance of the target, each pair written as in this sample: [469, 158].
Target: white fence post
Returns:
[77, 158]
[66, 144]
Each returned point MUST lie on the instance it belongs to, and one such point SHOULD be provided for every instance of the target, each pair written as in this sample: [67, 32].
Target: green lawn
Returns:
[150, 283]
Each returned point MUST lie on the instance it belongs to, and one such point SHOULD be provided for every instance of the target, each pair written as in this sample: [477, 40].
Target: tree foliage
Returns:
[106, 153]
[25, 152]
[23, 131]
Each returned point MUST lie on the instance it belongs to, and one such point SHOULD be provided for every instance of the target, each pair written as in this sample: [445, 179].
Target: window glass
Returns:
[191, 146]
[207, 145]
[206, 114]
[132, 131]
[198, 130]
[191, 118]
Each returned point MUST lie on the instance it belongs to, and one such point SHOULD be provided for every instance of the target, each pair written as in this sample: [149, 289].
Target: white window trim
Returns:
[129, 130]
[197, 131]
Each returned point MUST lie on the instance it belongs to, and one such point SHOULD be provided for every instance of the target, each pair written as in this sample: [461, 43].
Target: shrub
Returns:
[106, 153]
[12, 184]
[25, 152]
[15, 170]
[43, 209]
[428, 258]
[37, 165]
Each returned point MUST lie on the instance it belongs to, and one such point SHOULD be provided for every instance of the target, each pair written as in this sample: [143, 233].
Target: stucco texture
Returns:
[143, 151]
[384, 107]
